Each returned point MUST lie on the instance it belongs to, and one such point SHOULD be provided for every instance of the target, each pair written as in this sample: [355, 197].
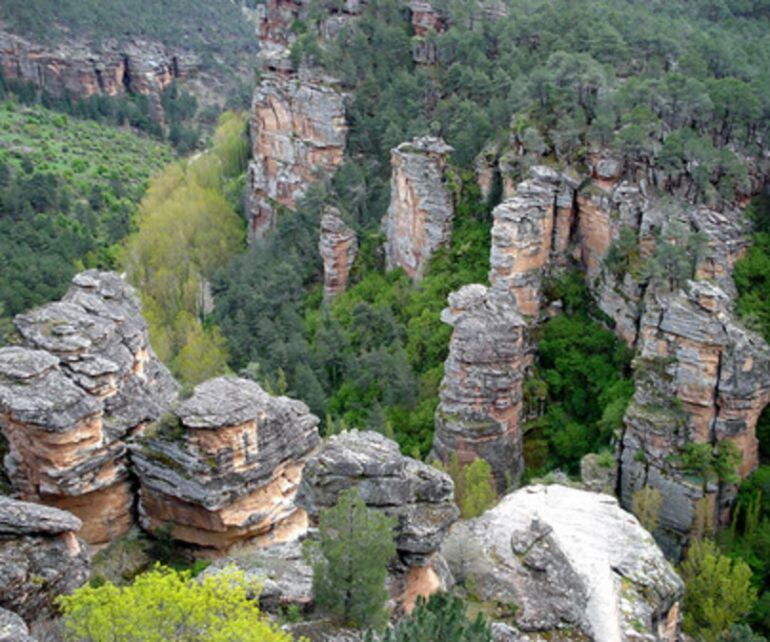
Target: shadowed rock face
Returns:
[298, 129]
[700, 377]
[419, 219]
[225, 465]
[420, 497]
[338, 246]
[83, 379]
[479, 411]
[40, 558]
[574, 564]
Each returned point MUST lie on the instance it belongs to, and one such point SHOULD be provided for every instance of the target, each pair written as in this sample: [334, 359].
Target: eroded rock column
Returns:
[338, 246]
[421, 211]
[479, 412]
[83, 379]
[224, 466]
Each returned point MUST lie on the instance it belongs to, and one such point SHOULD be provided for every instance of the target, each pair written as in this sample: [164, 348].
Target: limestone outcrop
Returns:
[82, 379]
[421, 211]
[338, 246]
[419, 496]
[566, 564]
[224, 466]
[40, 558]
[479, 412]
[298, 129]
[701, 377]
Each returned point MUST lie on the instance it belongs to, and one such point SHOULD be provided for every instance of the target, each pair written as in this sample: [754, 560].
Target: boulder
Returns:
[421, 211]
[40, 559]
[479, 411]
[566, 564]
[13, 628]
[83, 379]
[223, 467]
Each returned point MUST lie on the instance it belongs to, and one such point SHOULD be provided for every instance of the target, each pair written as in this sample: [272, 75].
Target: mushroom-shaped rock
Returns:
[418, 495]
[82, 379]
[225, 464]
[40, 558]
[568, 560]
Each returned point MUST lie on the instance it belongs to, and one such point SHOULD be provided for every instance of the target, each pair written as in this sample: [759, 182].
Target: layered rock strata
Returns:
[338, 246]
[566, 564]
[225, 465]
[40, 559]
[83, 379]
[298, 130]
[420, 497]
[421, 211]
[479, 411]
[701, 377]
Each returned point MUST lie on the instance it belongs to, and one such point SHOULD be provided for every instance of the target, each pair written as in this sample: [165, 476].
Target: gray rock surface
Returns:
[419, 496]
[572, 562]
[83, 377]
[421, 211]
[40, 558]
[479, 412]
[13, 628]
[225, 464]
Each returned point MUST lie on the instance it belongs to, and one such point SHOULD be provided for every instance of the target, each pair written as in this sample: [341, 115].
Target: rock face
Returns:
[298, 129]
[568, 564]
[419, 496]
[40, 558]
[83, 379]
[13, 628]
[419, 218]
[700, 377]
[479, 412]
[225, 465]
[338, 246]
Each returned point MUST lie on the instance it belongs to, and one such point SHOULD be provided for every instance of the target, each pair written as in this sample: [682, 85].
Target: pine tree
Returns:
[479, 494]
[350, 561]
[645, 504]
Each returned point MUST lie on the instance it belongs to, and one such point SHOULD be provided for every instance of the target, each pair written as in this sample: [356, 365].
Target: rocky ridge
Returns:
[225, 465]
[82, 379]
[338, 246]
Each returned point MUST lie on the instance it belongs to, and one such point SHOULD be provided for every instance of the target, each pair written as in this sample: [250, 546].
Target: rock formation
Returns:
[298, 129]
[224, 466]
[419, 218]
[40, 559]
[479, 412]
[700, 377]
[338, 246]
[13, 628]
[566, 564]
[82, 380]
[419, 496]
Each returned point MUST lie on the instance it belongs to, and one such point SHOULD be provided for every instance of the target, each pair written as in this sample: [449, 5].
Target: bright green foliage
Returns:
[68, 194]
[350, 561]
[474, 489]
[709, 463]
[187, 231]
[718, 591]
[441, 617]
[163, 605]
[580, 386]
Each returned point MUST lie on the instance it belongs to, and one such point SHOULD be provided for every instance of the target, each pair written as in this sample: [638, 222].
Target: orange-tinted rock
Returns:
[338, 246]
[421, 211]
[479, 411]
[298, 129]
[224, 468]
[82, 381]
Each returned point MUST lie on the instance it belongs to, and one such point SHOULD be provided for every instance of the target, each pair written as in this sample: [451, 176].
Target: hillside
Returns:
[69, 190]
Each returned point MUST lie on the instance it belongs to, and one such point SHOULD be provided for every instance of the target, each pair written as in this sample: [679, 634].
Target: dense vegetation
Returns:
[210, 29]
[68, 193]
[752, 273]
